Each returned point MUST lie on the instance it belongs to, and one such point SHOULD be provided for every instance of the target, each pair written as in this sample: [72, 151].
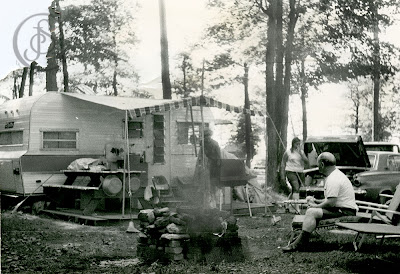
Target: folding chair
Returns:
[389, 221]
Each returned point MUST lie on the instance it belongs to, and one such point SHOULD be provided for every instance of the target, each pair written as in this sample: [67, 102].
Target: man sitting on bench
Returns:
[339, 200]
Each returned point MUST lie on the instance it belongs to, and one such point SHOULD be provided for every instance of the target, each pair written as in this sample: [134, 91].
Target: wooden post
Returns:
[206, 182]
[247, 116]
[125, 162]
[194, 134]
[266, 164]
[247, 198]
[203, 168]
[128, 166]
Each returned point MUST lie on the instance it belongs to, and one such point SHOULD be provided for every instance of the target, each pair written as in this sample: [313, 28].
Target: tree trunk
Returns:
[303, 89]
[355, 98]
[114, 83]
[288, 70]
[184, 65]
[279, 90]
[356, 123]
[376, 78]
[62, 49]
[22, 87]
[202, 78]
[15, 87]
[52, 67]
[249, 155]
[166, 83]
[31, 77]
[271, 158]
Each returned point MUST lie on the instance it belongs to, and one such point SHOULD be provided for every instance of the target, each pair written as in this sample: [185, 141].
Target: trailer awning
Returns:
[193, 101]
[138, 106]
[12, 154]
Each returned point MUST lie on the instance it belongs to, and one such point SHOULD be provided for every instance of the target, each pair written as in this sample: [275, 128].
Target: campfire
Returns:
[189, 233]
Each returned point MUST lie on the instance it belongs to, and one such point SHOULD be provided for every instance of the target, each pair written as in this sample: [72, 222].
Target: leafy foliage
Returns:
[190, 83]
[353, 28]
[233, 38]
[239, 138]
[99, 37]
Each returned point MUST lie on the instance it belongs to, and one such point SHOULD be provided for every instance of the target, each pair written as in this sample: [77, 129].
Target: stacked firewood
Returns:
[186, 234]
[163, 234]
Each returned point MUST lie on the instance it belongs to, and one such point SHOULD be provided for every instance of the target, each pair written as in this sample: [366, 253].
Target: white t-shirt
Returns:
[337, 185]
[294, 161]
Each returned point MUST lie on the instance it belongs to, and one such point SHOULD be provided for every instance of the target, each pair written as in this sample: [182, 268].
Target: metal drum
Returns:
[134, 184]
[112, 185]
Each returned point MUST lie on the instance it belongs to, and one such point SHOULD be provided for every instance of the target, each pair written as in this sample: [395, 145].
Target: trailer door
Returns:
[7, 183]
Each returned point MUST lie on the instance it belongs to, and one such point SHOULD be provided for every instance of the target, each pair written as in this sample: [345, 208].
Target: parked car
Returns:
[382, 178]
[381, 146]
[351, 158]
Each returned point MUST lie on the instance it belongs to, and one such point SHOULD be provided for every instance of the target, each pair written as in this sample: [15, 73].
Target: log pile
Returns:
[186, 234]
[163, 235]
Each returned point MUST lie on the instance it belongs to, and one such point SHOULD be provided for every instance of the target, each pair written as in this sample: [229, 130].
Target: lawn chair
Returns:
[389, 219]
[370, 214]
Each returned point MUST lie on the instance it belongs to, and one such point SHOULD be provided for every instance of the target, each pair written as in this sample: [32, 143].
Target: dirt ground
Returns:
[39, 244]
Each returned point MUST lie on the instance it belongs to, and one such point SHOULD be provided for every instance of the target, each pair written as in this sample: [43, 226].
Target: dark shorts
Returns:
[336, 212]
[295, 179]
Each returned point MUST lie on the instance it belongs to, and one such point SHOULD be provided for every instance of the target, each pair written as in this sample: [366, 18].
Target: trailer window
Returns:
[185, 132]
[11, 138]
[135, 129]
[59, 139]
[159, 141]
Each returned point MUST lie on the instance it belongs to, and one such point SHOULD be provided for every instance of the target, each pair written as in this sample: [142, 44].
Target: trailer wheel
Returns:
[37, 207]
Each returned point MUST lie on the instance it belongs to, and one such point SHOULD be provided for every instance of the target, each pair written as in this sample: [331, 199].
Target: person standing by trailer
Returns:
[292, 166]
[212, 151]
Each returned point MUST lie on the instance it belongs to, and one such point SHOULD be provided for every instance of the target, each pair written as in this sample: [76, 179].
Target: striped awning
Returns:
[192, 101]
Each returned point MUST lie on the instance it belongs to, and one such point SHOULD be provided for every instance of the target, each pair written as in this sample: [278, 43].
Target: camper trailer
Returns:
[42, 135]
[89, 152]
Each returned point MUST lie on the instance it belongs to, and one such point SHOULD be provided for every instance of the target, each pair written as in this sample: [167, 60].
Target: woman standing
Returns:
[292, 166]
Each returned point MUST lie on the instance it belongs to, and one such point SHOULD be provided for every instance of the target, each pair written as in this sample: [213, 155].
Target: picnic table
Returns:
[95, 175]
[89, 188]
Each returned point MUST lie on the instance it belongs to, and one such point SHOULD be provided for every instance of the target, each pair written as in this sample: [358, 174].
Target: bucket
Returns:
[112, 185]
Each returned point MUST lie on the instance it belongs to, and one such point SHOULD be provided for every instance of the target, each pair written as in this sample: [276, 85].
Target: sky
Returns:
[20, 21]
[185, 20]
[20, 25]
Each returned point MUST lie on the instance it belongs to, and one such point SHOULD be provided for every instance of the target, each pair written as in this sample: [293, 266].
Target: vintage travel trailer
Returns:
[41, 135]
